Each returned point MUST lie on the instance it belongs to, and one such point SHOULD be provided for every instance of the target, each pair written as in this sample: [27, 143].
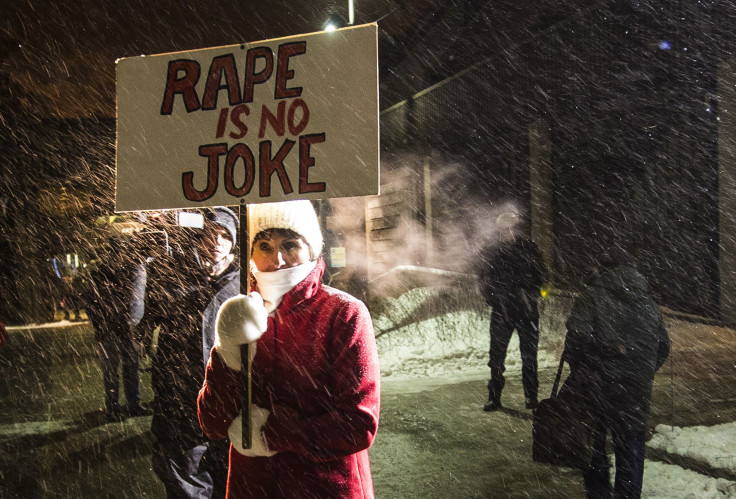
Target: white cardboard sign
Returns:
[281, 119]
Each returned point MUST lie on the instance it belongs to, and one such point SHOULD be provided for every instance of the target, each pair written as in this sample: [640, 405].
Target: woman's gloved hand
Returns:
[241, 320]
[258, 418]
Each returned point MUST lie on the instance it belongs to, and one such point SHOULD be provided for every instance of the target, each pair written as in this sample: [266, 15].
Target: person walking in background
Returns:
[114, 304]
[616, 341]
[315, 376]
[510, 276]
[70, 285]
[183, 298]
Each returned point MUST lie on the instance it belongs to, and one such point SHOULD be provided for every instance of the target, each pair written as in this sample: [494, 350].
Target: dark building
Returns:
[599, 122]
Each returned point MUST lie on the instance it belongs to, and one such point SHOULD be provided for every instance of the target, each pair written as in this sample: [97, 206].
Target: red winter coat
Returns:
[316, 370]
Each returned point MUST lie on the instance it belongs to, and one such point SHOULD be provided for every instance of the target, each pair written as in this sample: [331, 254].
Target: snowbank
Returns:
[667, 481]
[440, 331]
[48, 325]
[714, 446]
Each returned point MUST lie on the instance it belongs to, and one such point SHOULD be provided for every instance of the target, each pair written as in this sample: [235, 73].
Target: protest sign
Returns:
[281, 119]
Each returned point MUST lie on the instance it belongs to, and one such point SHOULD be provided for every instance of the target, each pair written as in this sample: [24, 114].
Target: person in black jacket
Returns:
[184, 297]
[616, 341]
[115, 293]
[511, 274]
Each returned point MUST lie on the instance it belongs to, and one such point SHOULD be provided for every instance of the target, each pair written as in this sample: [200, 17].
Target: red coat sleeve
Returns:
[350, 424]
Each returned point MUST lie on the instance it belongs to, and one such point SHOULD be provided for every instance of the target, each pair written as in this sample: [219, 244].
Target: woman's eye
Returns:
[264, 247]
[290, 246]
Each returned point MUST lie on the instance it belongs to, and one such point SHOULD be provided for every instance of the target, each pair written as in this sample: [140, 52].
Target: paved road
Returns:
[438, 443]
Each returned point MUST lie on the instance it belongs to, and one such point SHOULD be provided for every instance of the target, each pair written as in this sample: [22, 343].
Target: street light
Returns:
[336, 21]
[333, 22]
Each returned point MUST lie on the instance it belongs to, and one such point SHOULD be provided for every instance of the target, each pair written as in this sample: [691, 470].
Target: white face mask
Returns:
[274, 285]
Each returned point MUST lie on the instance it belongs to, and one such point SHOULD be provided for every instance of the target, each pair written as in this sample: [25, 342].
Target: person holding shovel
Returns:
[315, 377]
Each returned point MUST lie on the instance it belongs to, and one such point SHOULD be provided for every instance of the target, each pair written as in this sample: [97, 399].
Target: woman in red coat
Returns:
[315, 377]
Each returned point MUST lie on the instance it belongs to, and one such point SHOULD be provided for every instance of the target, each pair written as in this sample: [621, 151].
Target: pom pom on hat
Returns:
[298, 216]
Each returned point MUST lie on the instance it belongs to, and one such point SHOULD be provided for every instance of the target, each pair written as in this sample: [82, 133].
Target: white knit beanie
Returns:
[298, 216]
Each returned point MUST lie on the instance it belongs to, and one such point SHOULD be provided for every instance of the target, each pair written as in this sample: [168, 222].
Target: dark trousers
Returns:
[117, 348]
[196, 473]
[628, 434]
[504, 319]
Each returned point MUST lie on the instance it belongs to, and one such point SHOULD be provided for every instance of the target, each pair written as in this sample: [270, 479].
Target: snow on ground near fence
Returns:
[452, 342]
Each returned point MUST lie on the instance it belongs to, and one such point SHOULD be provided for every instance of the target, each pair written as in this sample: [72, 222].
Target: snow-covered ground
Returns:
[420, 343]
[441, 346]
[668, 481]
[711, 446]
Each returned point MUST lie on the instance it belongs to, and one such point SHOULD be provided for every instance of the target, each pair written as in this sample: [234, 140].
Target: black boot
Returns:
[114, 413]
[137, 409]
[493, 404]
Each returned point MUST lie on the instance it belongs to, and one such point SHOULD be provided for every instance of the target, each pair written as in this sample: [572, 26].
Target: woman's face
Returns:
[278, 252]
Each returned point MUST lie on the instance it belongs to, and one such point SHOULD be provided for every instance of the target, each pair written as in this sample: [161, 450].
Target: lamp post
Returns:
[336, 21]
[333, 22]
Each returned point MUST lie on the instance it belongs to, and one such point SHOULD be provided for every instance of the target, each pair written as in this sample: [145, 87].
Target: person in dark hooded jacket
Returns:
[616, 341]
[183, 301]
[114, 296]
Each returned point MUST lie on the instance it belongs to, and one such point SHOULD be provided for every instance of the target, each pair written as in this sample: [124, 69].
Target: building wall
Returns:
[726, 190]
[626, 155]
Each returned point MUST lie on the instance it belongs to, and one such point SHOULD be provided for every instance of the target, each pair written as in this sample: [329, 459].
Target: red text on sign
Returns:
[183, 75]
[268, 164]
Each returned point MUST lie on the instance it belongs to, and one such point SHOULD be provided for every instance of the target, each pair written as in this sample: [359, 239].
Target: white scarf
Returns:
[274, 285]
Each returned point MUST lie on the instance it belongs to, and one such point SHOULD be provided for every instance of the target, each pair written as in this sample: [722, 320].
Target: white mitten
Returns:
[258, 417]
[241, 319]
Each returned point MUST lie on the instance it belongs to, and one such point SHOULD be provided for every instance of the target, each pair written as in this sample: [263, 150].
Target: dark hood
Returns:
[623, 281]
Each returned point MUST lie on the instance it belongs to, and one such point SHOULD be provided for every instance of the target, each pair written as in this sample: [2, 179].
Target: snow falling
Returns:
[597, 125]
